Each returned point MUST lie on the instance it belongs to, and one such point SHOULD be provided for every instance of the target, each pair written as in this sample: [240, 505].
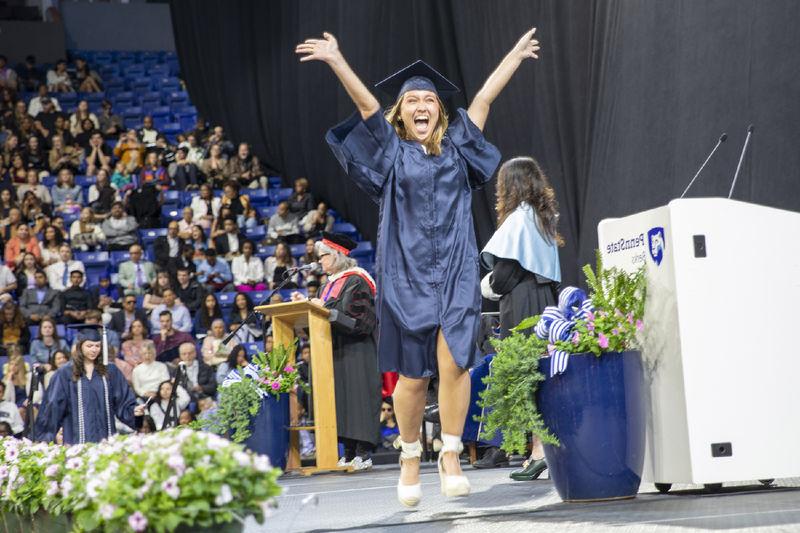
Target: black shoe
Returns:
[492, 458]
[531, 469]
[431, 414]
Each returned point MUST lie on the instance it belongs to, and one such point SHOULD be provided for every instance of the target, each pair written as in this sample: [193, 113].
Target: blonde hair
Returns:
[434, 143]
[20, 376]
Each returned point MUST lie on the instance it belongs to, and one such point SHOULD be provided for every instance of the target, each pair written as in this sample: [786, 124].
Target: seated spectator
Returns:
[183, 173]
[200, 378]
[136, 338]
[155, 295]
[40, 301]
[85, 233]
[248, 270]
[180, 319]
[251, 218]
[8, 226]
[215, 167]
[121, 321]
[8, 77]
[207, 314]
[95, 317]
[147, 133]
[10, 147]
[147, 375]
[63, 155]
[76, 301]
[50, 244]
[67, 197]
[214, 272]
[168, 338]
[23, 241]
[17, 172]
[57, 221]
[318, 220]
[246, 169]
[194, 152]
[158, 409]
[184, 261]
[13, 328]
[83, 136]
[310, 256]
[120, 229]
[9, 415]
[98, 155]
[86, 79]
[35, 105]
[32, 184]
[218, 137]
[61, 125]
[205, 207]
[58, 359]
[242, 307]
[26, 273]
[120, 180]
[197, 240]
[58, 274]
[236, 358]
[45, 122]
[8, 284]
[152, 172]
[129, 151]
[7, 203]
[185, 224]
[29, 74]
[237, 203]
[229, 244]
[102, 194]
[136, 275]
[105, 293]
[81, 113]
[47, 343]
[144, 203]
[301, 201]
[275, 266]
[283, 225]
[189, 291]
[58, 80]
[34, 154]
[167, 246]
[164, 151]
[185, 418]
[110, 123]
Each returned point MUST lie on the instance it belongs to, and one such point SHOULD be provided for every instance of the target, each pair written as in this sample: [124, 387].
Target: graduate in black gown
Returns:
[350, 296]
[421, 169]
[85, 395]
[523, 258]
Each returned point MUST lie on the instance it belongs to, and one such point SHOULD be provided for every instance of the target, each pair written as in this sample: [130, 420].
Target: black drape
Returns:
[620, 110]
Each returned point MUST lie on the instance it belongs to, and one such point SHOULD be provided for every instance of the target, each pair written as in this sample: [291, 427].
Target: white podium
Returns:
[720, 355]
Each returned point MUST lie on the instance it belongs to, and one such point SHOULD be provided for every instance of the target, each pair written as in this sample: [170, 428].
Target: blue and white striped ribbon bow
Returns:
[250, 371]
[556, 324]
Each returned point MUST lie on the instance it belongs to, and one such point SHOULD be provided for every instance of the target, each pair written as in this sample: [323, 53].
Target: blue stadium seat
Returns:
[95, 273]
[346, 228]
[48, 181]
[171, 131]
[178, 96]
[148, 236]
[266, 211]
[93, 98]
[257, 234]
[172, 197]
[150, 100]
[265, 250]
[187, 196]
[93, 258]
[363, 251]
[158, 71]
[85, 181]
[258, 197]
[140, 84]
[297, 249]
[279, 195]
[170, 212]
[186, 120]
[161, 116]
[119, 257]
[275, 182]
[286, 294]
[258, 296]
[133, 111]
[252, 348]
[114, 86]
[123, 99]
[67, 100]
[225, 299]
[167, 85]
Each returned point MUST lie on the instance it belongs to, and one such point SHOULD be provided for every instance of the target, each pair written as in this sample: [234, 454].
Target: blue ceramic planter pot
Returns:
[596, 410]
[269, 434]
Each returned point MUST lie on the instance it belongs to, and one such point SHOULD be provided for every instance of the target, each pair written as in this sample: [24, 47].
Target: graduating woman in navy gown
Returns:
[85, 395]
[421, 169]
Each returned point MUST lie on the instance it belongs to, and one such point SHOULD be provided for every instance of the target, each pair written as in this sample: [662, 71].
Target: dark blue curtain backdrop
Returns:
[621, 109]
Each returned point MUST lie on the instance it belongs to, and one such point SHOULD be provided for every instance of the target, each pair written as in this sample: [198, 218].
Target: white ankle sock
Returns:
[451, 442]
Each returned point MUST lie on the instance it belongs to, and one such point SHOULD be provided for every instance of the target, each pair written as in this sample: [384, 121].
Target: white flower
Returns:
[242, 458]
[144, 489]
[12, 454]
[170, 486]
[92, 488]
[53, 489]
[3, 471]
[66, 487]
[107, 511]
[74, 450]
[51, 470]
[176, 463]
[74, 463]
[137, 521]
[224, 497]
[261, 463]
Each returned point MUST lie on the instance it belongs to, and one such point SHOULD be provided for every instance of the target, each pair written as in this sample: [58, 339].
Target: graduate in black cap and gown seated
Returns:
[421, 168]
[86, 394]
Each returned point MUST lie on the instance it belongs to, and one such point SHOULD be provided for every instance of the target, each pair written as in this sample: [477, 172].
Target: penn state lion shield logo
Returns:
[655, 239]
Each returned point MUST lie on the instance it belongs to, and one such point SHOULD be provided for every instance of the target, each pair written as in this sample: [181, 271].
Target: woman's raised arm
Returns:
[526, 47]
[327, 51]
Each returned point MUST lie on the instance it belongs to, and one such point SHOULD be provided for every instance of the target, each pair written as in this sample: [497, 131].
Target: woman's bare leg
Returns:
[454, 391]
[409, 405]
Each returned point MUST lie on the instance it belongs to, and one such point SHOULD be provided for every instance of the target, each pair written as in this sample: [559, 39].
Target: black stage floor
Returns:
[366, 502]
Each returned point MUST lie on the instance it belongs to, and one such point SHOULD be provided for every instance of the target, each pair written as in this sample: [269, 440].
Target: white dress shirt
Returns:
[244, 271]
[55, 274]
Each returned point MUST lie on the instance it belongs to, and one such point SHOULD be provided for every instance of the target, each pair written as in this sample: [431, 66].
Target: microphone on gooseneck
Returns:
[305, 268]
[741, 159]
[722, 139]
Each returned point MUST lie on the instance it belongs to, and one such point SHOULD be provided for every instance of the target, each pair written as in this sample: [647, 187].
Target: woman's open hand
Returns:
[326, 49]
[527, 46]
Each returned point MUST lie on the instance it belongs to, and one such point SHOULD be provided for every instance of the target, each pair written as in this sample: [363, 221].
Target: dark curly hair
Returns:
[521, 180]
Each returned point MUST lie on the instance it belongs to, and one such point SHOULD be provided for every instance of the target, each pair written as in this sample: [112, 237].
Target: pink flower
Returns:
[275, 385]
[576, 338]
[137, 521]
[639, 325]
[615, 331]
[170, 486]
[617, 312]
[590, 326]
[590, 315]
[107, 511]
[288, 368]
[602, 340]
[630, 318]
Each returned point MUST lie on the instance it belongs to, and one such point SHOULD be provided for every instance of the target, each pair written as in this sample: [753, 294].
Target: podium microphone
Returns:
[722, 139]
[741, 159]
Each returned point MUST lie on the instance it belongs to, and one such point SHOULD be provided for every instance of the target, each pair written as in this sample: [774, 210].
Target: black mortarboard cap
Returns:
[341, 242]
[415, 77]
[88, 332]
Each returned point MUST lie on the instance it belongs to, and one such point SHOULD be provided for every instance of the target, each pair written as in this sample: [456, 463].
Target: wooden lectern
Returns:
[285, 318]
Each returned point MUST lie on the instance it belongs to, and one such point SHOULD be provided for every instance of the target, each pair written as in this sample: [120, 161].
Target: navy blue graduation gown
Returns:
[61, 408]
[427, 260]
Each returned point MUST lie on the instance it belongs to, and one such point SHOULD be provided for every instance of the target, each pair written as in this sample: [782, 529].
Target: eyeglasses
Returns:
[130, 302]
[323, 255]
[386, 410]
